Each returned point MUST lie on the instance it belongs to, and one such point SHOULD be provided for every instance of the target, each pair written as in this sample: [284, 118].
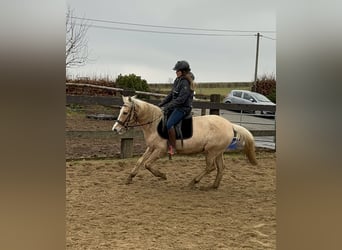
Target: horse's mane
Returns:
[138, 101]
[143, 105]
[141, 102]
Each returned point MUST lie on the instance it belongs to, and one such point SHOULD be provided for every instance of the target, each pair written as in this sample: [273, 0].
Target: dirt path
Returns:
[104, 213]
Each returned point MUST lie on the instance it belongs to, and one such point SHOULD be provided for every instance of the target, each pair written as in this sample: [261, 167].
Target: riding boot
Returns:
[172, 141]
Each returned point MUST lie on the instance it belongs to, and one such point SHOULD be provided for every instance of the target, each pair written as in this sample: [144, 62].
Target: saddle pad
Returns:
[186, 129]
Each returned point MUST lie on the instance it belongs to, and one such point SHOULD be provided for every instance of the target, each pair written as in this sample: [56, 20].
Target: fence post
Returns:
[215, 98]
[126, 148]
[203, 112]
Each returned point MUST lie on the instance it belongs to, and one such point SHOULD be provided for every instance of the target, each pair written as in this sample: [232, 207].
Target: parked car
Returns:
[249, 97]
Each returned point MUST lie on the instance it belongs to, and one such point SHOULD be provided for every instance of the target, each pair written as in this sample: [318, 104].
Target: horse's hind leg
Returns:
[220, 167]
[139, 163]
[209, 168]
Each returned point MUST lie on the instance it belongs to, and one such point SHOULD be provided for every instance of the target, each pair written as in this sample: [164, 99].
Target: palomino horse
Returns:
[212, 134]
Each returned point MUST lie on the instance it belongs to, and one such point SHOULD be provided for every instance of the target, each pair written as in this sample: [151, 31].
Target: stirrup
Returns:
[171, 150]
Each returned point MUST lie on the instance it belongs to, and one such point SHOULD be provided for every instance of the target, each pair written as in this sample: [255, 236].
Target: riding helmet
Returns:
[182, 65]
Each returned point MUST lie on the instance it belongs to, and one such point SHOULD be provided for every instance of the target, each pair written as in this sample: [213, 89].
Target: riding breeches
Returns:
[175, 116]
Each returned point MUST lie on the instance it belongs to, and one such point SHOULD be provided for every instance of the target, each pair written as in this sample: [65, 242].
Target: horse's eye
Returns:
[125, 113]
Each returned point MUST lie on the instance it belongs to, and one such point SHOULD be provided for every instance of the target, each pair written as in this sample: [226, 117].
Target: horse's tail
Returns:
[247, 139]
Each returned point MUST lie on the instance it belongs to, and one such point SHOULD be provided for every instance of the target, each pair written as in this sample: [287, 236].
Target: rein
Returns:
[143, 124]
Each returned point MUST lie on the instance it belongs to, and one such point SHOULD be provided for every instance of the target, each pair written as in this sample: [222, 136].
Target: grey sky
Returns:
[152, 56]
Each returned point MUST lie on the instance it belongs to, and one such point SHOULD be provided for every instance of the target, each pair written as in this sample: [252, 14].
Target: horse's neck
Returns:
[146, 114]
[149, 115]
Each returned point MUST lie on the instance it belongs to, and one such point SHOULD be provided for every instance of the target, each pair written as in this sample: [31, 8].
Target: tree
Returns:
[76, 51]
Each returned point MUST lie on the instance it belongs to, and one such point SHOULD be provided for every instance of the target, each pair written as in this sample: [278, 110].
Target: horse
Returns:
[212, 134]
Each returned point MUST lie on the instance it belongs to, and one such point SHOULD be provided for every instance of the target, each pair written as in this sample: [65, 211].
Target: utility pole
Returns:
[256, 63]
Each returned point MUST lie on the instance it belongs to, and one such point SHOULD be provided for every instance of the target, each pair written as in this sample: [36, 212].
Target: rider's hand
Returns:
[163, 109]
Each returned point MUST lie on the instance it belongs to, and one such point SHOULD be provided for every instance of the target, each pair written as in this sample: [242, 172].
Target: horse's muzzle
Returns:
[117, 128]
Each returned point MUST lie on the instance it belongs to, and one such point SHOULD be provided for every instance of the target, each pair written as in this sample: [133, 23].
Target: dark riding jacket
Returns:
[180, 97]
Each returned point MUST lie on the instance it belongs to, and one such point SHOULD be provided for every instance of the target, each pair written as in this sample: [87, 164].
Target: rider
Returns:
[178, 103]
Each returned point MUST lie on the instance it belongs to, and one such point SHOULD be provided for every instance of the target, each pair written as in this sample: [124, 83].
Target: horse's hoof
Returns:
[192, 184]
[129, 181]
[163, 176]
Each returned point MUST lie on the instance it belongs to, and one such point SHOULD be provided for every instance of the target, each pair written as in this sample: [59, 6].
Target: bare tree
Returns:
[76, 51]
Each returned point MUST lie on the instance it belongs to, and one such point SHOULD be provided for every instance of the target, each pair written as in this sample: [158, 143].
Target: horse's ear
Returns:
[129, 99]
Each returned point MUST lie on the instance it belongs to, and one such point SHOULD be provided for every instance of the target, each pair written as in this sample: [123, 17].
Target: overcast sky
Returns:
[153, 55]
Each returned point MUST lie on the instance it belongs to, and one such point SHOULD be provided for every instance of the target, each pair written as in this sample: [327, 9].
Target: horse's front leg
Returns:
[152, 158]
[139, 163]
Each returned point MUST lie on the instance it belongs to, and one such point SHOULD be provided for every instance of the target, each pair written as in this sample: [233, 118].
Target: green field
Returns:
[223, 91]
[220, 91]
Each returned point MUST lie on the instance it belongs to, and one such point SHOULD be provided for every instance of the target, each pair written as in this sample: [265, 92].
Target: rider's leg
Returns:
[173, 119]
[172, 140]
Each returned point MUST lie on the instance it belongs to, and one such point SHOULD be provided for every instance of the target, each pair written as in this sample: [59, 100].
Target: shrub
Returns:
[132, 81]
[266, 85]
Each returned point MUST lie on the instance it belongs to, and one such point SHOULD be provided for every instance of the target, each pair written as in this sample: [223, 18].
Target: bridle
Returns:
[132, 116]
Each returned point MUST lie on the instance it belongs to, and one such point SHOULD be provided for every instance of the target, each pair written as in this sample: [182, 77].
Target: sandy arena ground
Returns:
[103, 212]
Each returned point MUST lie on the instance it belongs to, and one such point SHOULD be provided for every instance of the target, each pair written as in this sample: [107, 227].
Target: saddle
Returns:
[183, 128]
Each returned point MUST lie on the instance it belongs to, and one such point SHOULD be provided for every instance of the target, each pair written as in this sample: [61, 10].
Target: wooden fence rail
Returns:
[117, 101]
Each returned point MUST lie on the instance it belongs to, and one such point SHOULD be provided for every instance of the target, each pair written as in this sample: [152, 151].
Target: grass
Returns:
[73, 109]
[220, 91]
[207, 91]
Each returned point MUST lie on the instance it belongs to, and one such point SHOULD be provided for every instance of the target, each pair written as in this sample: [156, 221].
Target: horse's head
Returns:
[127, 116]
